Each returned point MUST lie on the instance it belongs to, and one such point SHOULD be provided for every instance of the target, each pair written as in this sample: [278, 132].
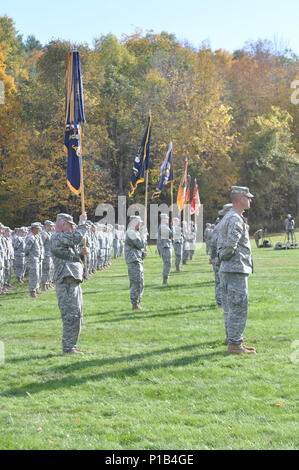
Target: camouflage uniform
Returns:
[234, 253]
[33, 255]
[134, 246]
[177, 244]
[19, 250]
[2, 259]
[165, 247]
[68, 274]
[213, 254]
[47, 265]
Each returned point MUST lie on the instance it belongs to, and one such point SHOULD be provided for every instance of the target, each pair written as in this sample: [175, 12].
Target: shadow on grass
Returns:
[139, 315]
[31, 358]
[182, 285]
[72, 380]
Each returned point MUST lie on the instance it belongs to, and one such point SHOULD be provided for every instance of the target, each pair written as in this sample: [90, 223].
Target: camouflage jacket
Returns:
[164, 237]
[66, 254]
[46, 239]
[134, 245]
[233, 246]
[33, 247]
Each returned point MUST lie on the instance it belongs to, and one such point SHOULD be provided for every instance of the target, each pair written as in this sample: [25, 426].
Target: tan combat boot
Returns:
[33, 293]
[240, 349]
[136, 307]
[165, 281]
[178, 269]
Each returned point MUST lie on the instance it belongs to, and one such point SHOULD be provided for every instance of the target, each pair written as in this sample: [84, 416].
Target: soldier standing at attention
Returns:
[19, 249]
[68, 275]
[289, 227]
[135, 244]
[47, 262]
[177, 242]
[213, 253]
[234, 252]
[205, 235]
[257, 236]
[165, 245]
[33, 255]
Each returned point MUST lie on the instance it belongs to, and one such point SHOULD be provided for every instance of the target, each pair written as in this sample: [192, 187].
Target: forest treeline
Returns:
[230, 114]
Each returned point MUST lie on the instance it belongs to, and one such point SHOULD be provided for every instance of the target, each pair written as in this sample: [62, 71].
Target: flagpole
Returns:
[146, 197]
[171, 196]
[82, 192]
[146, 188]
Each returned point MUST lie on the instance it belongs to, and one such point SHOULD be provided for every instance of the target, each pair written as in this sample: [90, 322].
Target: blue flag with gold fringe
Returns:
[166, 172]
[74, 117]
[141, 162]
[72, 143]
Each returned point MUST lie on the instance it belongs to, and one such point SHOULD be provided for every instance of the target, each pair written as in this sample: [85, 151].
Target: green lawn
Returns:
[158, 379]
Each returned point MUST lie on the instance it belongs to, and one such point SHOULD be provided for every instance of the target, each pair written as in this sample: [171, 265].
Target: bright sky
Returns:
[225, 24]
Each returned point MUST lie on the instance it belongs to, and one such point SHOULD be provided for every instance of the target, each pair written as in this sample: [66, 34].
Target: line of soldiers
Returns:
[182, 237]
[228, 246]
[26, 251]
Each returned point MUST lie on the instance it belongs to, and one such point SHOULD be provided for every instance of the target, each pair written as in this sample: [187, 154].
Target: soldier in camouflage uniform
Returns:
[214, 261]
[47, 265]
[116, 241]
[135, 244]
[186, 243]
[165, 246]
[9, 258]
[33, 254]
[177, 242]
[192, 239]
[19, 251]
[68, 275]
[234, 252]
[205, 235]
[2, 259]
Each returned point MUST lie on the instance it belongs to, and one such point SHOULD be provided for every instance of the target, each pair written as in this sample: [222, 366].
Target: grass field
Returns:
[158, 379]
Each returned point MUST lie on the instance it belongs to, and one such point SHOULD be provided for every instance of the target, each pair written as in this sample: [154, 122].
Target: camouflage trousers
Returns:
[47, 270]
[101, 258]
[178, 253]
[8, 272]
[69, 295]
[290, 233]
[19, 266]
[1, 279]
[234, 295]
[218, 296]
[115, 249]
[34, 274]
[166, 254]
[135, 271]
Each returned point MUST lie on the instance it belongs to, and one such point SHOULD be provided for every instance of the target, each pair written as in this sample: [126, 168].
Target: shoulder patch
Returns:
[239, 225]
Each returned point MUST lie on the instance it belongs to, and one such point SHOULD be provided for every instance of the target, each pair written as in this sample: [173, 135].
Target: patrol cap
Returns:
[164, 216]
[225, 209]
[48, 222]
[36, 225]
[243, 190]
[66, 218]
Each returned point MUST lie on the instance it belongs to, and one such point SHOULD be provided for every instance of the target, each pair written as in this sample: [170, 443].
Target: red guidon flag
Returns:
[195, 203]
